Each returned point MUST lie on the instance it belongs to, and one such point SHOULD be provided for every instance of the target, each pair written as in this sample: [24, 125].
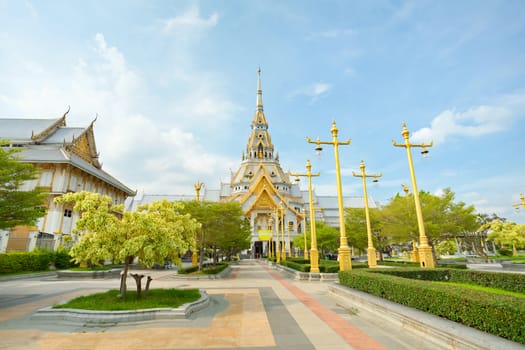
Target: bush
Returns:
[504, 251]
[485, 311]
[63, 260]
[15, 262]
[212, 270]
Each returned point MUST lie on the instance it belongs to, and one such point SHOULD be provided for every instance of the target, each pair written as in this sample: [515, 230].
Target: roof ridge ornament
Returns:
[259, 104]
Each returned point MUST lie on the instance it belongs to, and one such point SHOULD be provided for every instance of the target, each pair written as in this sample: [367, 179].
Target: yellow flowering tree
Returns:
[153, 233]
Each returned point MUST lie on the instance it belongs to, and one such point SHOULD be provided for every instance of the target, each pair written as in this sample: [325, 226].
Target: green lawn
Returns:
[156, 298]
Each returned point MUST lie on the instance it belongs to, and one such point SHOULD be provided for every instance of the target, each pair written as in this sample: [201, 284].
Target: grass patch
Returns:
[482, 288]
[156, 298]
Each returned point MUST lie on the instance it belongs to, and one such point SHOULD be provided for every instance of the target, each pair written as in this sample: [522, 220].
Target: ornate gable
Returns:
[84, 147]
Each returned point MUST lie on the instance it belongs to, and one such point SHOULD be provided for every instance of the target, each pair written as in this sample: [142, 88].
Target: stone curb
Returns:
[92, 317]
[442, 333]
[113, 273]
[219, 275]
[28, 276]
[306, 276]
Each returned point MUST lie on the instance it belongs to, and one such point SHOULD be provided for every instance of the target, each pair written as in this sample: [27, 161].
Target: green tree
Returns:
[153, 233]
[446, 247]
[356, 231]
[18, 207]
[327, 238]
[508, 234]
[224, 228]
[443, 218]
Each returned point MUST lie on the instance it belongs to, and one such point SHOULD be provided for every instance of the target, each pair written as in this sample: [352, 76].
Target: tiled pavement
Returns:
[254, 308]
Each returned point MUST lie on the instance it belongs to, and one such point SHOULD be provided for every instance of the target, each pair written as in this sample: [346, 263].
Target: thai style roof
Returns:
[51, 141]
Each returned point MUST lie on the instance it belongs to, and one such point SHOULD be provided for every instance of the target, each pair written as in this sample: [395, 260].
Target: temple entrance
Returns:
[258, 249]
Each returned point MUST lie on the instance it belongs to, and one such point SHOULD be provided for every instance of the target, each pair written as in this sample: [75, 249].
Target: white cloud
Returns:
[477, 121]
[191, 18]
[314, 91]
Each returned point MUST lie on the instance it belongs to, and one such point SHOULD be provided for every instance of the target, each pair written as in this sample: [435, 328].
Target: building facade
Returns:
[275, 205]
[68, 161]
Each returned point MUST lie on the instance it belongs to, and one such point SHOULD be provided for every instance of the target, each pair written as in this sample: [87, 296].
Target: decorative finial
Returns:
[259, 104]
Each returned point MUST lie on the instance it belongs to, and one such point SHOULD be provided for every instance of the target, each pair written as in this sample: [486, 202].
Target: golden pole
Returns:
[371, 251]
[345, 262]
[283, 245]
[425, 251]
[277, 243]
[413, 254]
[194, 255]
[314, 253]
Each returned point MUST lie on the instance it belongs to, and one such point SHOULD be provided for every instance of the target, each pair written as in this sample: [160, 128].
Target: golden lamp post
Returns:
[283, 243]
[371, 251]
[314, 253]
[425, 251]
[277, 242]
[270, 241]
[345, 262]
[413, 254]
[522, 199]
[194, 257]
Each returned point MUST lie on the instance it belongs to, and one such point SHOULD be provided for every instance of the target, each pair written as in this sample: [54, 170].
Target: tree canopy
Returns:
[327, 238]
[224, 228]
[442, 217]
[18, 207]
[509, 234]
[153, 233]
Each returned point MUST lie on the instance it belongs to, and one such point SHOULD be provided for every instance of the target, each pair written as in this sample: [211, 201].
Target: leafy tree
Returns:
[508, 234]
[153, 233]
[356, 231]
[18, 207]
[446, 247]
[443, 218]
[224, 228]
[327, 238]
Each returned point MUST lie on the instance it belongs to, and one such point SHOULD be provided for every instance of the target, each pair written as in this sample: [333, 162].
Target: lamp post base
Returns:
[372, 259]
[414, 256]
[314, 261]
[194, 259]
[426, 258]
[345, 262]
[278, 257]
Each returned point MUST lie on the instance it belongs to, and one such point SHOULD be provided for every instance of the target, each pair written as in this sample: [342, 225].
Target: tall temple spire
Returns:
[259, 119]
[259, 104]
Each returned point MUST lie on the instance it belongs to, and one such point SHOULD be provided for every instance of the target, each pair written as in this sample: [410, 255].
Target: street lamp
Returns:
[198, 186]
[194, 257]
[522, 199]
[371, 251]
[270, 241]
[314, 253]
[345, 262]
[425, 251]
[283, 244]
[413, 254]
[277, 242]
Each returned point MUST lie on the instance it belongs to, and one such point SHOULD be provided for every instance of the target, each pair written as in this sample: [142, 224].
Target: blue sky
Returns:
[174, 87]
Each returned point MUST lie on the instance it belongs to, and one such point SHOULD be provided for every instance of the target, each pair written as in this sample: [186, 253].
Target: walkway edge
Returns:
[443, 333]
[95, 317]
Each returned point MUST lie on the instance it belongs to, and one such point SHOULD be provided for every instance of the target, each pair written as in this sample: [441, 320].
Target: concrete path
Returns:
[254, 308]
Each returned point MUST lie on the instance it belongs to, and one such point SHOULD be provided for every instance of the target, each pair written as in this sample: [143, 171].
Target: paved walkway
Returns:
[255, 307]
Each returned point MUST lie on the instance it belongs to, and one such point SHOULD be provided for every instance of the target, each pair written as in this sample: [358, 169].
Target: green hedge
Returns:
[512, 282]
[15, 262]
[402, 263]
[500, 315]
[208, 269]
[38, 260]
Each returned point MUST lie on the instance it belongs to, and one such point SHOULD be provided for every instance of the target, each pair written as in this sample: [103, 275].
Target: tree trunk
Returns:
[138, 280]
[123, 277]
[146, 290]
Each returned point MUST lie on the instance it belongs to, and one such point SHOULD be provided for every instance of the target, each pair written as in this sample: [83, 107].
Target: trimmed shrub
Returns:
[187, 270]
[63, 260]
[212, 270]
[14, 262]
[485, 311]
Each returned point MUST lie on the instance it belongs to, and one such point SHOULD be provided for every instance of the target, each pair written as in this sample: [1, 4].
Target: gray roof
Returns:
[51, 154]
[19, 130]
[64, 134]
